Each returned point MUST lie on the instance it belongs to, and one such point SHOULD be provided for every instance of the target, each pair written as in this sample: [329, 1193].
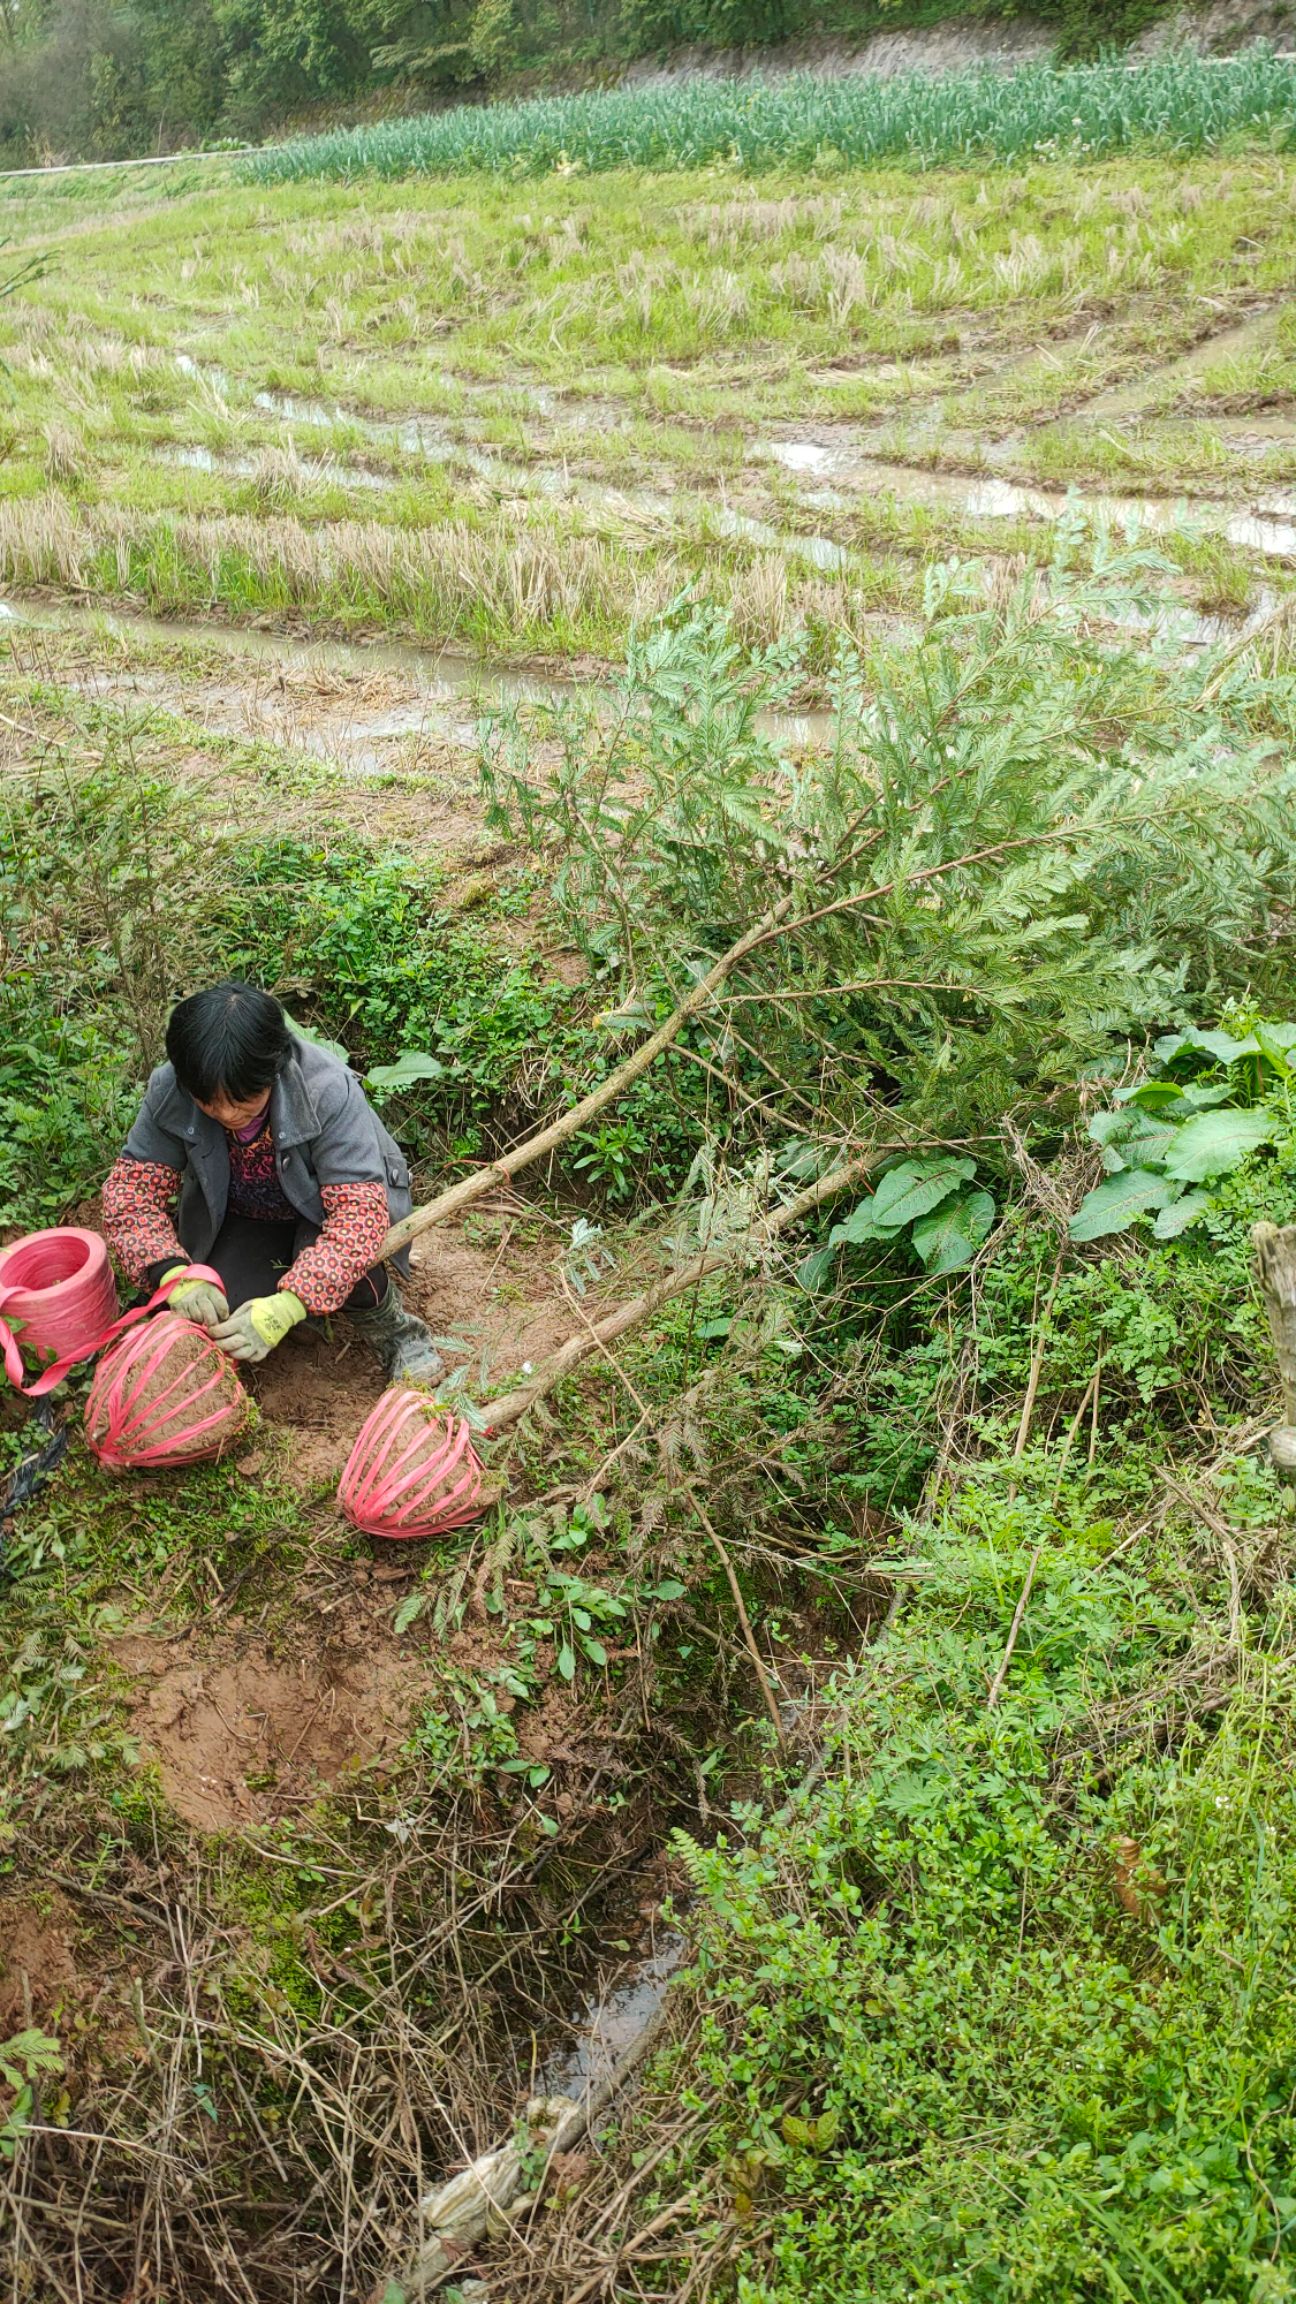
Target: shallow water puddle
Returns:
[196, 459]
[741, 527]
[454, 691]
[988, 497]
[610, 2023]
[1249, 527]
[216, 379]
[1260, 532]
[845, 459]
[802, 455]
[1003, 500]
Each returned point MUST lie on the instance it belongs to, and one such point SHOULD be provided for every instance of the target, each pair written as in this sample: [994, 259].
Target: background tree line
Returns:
[102, 79]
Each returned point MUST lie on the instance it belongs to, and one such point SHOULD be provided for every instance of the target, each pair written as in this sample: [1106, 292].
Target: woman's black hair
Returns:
[229, 1041]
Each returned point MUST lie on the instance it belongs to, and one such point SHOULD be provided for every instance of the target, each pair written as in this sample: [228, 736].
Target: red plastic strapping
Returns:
[57, 1290]
[135, 1400]
[413, 1471]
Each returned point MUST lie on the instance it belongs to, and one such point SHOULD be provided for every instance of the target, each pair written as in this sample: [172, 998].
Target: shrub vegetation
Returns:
[97, 80]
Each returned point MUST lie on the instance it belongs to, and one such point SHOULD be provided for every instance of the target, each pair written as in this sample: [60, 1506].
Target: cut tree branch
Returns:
[533, 1148]
[599, 1333]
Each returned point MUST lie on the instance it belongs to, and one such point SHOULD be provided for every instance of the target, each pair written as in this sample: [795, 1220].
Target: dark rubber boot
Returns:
[401, 1341]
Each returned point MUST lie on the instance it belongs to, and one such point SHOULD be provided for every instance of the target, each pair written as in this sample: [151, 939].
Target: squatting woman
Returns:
[258, 1154]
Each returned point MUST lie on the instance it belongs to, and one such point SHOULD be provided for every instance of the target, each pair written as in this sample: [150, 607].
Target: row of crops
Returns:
[1180, 101]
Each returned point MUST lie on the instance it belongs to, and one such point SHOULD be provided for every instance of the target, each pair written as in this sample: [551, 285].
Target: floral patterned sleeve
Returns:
[356, 1222]
[138, 1199]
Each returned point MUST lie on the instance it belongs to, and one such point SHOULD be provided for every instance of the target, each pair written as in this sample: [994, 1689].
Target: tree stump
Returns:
[1275, 1262]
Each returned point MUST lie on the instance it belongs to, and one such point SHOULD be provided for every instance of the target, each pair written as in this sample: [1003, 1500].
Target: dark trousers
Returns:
[252, 1256]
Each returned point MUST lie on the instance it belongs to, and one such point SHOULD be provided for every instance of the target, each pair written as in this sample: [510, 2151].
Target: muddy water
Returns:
[329, 473]
[1177, 376]
[286, 691]
[820, 551]
[1270, 530]
[611, 2022]
[453, 692]
[841, 456]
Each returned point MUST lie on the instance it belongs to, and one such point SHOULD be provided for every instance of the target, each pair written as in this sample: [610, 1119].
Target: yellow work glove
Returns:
[260, 1324]
[199, 1300]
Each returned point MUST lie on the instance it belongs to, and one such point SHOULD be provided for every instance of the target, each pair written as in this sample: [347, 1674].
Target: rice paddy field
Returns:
[334, 393]
[516, 418]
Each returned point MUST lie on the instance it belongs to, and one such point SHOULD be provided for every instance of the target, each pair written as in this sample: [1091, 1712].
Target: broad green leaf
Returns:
[1180, 1214]
[567, 1661]
[410, 1065]
[904, 1194]
[817, 1267]
[857, 1227]
[949, 1237]
[1275, 1048]
[1214, 1142]
[917, 1186]
[1197, 1097]
[1148, 1095]
[1133, 1139]
[1221, 1045]
[1113, 1205]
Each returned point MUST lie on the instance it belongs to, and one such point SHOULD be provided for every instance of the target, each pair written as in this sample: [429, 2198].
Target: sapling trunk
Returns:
[600, 1333]
[1275, 1258]
[533, 1148]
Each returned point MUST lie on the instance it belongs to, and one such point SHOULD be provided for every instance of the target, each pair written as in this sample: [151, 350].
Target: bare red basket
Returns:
[413, 1470]
[164, 1396]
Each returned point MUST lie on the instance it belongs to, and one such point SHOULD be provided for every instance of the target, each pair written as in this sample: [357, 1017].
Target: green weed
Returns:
[980, 2020]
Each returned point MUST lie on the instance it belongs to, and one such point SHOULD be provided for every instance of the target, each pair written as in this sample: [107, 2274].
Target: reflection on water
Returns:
[327, 474]
[608, 2025]
[455, 690]
[846, 459]
[1275, 538]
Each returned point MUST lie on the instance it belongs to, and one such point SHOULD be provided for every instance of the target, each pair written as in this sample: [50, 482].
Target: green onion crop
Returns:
[1178, 102]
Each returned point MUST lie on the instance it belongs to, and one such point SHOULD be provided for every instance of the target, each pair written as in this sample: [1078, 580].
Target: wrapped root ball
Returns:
[164, 1395]
[413, 1470]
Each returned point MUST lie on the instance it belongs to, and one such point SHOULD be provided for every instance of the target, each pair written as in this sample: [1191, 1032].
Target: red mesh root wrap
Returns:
[164, 1395]
[412, 1472]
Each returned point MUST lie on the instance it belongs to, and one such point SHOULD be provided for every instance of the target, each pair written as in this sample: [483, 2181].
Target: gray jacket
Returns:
[324, 1130]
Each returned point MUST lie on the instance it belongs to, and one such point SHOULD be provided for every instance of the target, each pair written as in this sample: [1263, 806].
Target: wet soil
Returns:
[443, 689]
[497, 1309]
[246, 1729]
[249, 1723]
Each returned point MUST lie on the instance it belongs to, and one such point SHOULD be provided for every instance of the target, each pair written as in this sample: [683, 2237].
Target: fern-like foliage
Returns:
[1043, 827]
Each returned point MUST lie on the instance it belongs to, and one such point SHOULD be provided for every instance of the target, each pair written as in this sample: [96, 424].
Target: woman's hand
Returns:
[253, 1331]
[198, 1299]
